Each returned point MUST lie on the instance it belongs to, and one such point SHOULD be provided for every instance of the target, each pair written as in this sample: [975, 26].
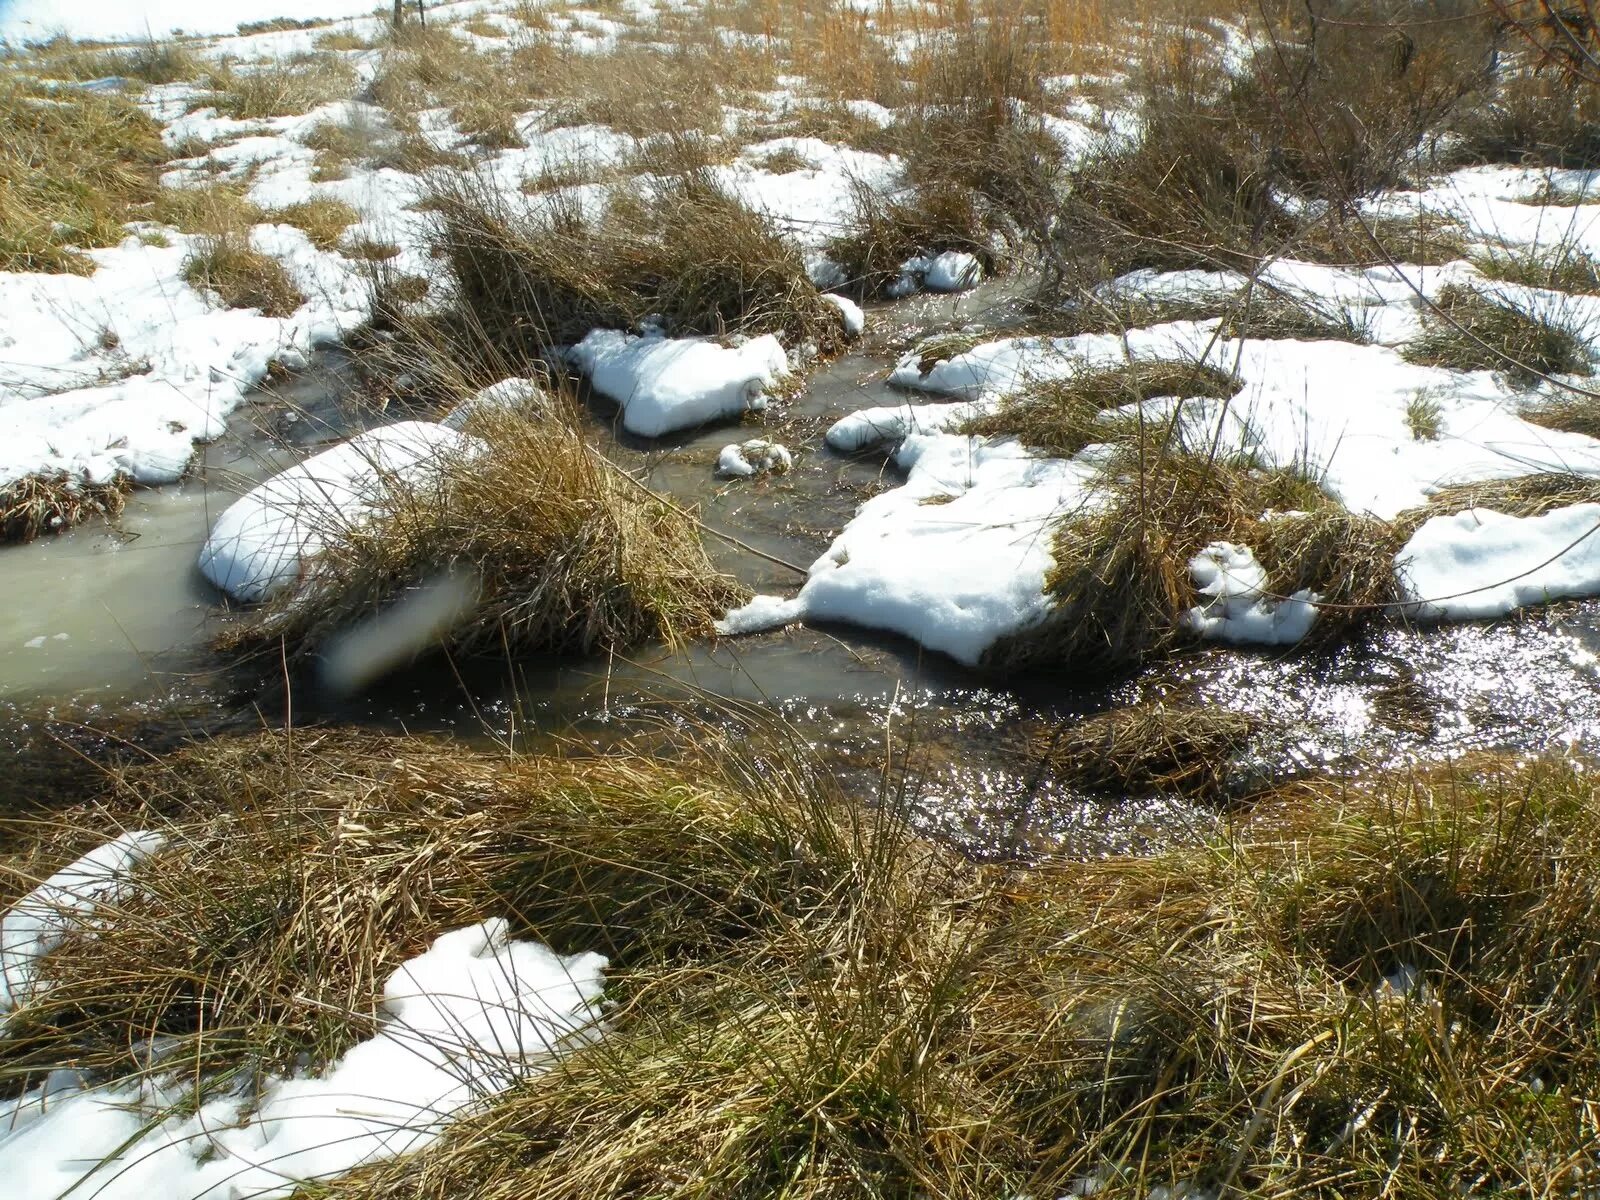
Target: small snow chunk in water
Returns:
[663, 384]
[1480, 563]
[849, 311]
[36, 924]
[761, 613]
[34, 643]
[950, 271]
[755, 457]
[262, 543]
[1236, 609]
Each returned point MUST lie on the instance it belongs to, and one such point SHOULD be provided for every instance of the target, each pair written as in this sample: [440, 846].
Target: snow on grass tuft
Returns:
[463, 1021]
[37, 924]
[265, 540]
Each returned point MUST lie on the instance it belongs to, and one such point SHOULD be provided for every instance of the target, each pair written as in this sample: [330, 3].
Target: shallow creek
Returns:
[98, 622]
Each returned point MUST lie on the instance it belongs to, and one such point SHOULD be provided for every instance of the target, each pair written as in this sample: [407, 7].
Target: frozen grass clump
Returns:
[1122, 582]
[240, 944]
[36, 505]
[48, 213]
[1470, 330]
[1560, 268]
[1059, 417]
[567, 554]
[687, 254]
[241, 276]
[320, 218]
[283, 88]
[214, 209]
[1517, 496]
[1178, 749]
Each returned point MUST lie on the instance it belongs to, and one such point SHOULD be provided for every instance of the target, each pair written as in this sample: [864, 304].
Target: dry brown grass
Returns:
[215, 209]
[1060, 417]
[47, 213]
[1518, 496]
[241, 276]
[1471, 330]
[1533, 119]
[148, 61]
[321, 219]
[284, 88]
[33, 505]
[810, 1001]
[567, 554]
[688, 253]
[1562, 268]
[1180, 748]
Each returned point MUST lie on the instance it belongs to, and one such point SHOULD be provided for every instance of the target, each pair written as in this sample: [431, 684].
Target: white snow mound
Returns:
[663, 383]
[1236, 608]
[265, 539]
[1480, 564]
[463, 1021]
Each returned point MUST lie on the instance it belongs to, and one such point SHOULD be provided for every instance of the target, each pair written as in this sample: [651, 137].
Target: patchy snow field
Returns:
[120, 373]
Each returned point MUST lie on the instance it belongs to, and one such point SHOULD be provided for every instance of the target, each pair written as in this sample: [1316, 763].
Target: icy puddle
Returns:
[104, 612]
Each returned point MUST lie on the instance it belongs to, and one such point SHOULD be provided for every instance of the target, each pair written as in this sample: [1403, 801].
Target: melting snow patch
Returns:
[463, 1021]
[263, 542]
[1236, 608]
[849, 312]
[956, 558]
[513, 396]
[36, 924]
[1480, 563]
[663, 384]
[950, 271]
[755, 457]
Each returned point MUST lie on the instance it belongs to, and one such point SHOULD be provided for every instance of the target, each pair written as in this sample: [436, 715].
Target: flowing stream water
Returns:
[98, 621]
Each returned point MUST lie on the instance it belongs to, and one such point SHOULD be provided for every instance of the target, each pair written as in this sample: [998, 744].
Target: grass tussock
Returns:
[1121, 584]
[283, 88]
[33, 505]
[431, 67]
[244, 948]
[1264, 313]
[47, 214]
[1532, 119]
[686, 253]
[1152, 748]
[1361, 984]
[1368, 984]
[1561, 268]
[1060, 417]
[886, 229]
[149, 61]
[1228, 170]
[242, 277]
[1518, 496]
[321, 219]
[216, 209]
[1470, 330]
[567, 553]
[1121, 580]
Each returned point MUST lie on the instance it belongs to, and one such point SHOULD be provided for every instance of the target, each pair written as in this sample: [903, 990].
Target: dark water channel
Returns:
[135, 618]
